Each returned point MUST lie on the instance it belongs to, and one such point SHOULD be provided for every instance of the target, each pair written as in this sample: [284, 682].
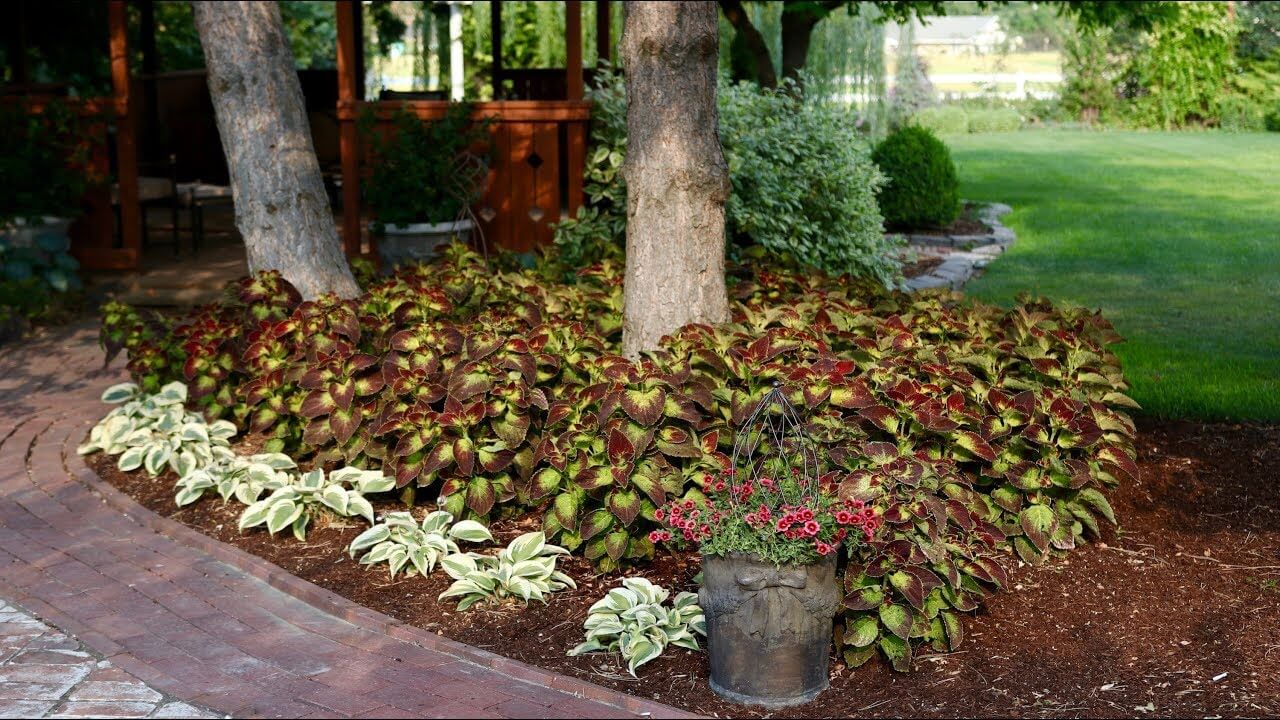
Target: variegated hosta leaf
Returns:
[633, 620]
[525, 569]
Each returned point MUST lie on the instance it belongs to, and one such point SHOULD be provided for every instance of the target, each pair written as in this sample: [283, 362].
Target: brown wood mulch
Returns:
[1174, 614]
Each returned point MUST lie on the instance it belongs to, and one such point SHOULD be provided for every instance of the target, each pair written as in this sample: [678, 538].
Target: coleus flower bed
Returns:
[969, 431]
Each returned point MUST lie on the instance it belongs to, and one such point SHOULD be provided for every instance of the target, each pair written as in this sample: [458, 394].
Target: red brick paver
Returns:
[204, 622]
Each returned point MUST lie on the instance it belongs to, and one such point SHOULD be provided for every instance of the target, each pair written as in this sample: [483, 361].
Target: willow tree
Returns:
[677, 178]
[282, 210]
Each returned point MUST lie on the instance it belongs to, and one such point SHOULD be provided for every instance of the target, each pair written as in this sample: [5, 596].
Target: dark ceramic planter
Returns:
[768, 627]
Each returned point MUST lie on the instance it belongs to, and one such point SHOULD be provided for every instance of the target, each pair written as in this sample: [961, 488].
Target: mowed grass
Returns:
[1175, 236]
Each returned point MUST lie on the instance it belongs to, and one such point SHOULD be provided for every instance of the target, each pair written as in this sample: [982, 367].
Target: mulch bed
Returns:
[966, 224]
[1175, 614]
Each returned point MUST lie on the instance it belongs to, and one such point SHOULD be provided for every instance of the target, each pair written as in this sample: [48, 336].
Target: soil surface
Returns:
[966, 224]
[1173, 614]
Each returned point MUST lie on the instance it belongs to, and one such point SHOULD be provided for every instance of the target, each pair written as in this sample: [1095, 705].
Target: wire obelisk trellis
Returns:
[773, 444]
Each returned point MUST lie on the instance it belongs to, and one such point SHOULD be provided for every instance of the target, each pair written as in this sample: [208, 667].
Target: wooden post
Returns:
[604, 32]
[495, 37]
[349, 139]
[126, 132]
[573, 47]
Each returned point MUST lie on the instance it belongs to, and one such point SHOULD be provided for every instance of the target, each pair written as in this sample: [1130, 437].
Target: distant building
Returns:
[979, 34]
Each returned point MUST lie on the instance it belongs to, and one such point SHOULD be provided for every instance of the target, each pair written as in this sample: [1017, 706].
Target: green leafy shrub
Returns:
[802, 183]
[1272, 121]
[923, 190]
[505, 393]
[634, 621]
[294, 505]
[525, 569]
[1241, 114]
[425, 172]
[994, 120]
[943, 119]
[401, 542]
[156, 431]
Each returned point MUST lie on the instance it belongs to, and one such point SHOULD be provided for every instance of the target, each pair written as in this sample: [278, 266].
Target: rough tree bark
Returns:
[281, 206]
[677, 179]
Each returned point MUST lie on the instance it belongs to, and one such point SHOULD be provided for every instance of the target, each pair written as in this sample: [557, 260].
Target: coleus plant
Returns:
[504, 392]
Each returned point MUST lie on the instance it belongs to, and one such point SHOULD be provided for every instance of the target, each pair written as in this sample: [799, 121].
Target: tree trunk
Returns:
[281, 207]
[677, 179]
[749, 42]
[797, 32]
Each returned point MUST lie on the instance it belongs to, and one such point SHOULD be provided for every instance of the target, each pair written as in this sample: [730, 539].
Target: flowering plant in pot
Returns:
[769, 530]
[425, 177]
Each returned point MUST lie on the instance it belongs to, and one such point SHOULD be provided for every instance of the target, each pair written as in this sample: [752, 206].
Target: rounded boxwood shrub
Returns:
[943, 119]
[994, 120]
[923, 189]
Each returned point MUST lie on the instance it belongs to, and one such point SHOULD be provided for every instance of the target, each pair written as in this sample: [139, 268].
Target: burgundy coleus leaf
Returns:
[644, 405]
[594, 477]
[621, 474]
[710, 441]
[480, 495]
[1119, 460]
[974, 444]
[317, 433]
[598, 521]
[481, 345]
[315, 378]
[343, 393]
[1038, 524]
[616, 544]
[512, 428]
[494, 461]
[360, 362]
[880, 453]
[344, 423]
[905, 552]
[439, 457]
[543, 483]
[1037, 433]
[681, 408]
[317, 403]
[960, 515]
[816, 393]
[931, 416]
[524, 364]
[464, 455]
[262, 419]
[987, 570]
[910, 587]
[369, 384]
[558, 411]
[853, 395]
[675, 442]
[955, 402]
[946, 567]
[1047, 366]
[882, 417]
[621, 451]
[466, 383]
[410, 443]
[646, 480]
[1085, 430]
[624, 504]
[864, 598]
[1063, 410]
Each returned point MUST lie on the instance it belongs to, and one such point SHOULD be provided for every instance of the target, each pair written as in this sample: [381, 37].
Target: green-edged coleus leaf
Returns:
[896, 619]
[480, 495]
[1038, 523]
[644, 405]
[975, 445]
[598, 521]
[861, 631]
[624, 504]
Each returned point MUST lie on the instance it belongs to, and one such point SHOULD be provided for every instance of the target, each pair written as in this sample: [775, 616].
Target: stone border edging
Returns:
[961, 265]
[334, 604]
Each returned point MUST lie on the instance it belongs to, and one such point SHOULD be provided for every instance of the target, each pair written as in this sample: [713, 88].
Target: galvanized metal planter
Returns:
[768, 628]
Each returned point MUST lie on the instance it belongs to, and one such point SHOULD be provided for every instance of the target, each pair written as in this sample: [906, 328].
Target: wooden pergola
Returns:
[538, 145]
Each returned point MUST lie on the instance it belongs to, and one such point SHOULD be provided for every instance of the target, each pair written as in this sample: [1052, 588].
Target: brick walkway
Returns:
[203, 622]
[47, 673]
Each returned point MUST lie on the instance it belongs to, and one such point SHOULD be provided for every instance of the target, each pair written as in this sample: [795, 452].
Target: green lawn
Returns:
[1176, 236]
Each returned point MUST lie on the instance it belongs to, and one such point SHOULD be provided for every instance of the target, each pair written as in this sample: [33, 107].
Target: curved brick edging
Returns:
[207, 622]
[958, 266]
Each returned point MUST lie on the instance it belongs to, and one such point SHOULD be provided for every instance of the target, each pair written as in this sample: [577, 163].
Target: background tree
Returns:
[281, 206]
[677, 179]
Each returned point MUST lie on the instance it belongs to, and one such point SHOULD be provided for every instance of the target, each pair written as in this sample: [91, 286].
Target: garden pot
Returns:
[768, 627]
[417, 242]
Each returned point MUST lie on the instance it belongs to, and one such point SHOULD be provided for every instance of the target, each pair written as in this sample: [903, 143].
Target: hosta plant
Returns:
[293, 506]
[405, 544]
[154, 431]
[634, 621]
[525, 569]
[242, 478]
